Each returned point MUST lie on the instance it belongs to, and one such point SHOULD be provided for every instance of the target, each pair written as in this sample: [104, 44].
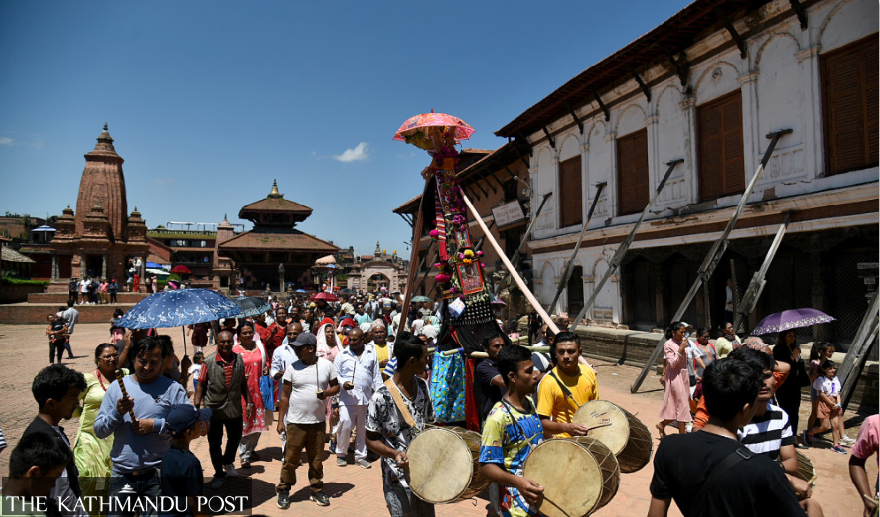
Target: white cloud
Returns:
[164, 182]
[357, 154]
[5, 140]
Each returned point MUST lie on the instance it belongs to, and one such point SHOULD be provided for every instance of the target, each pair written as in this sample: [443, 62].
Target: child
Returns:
[56, 330]
[38, 460]
[196, 369]
[818, 354]
[511, 430]
[828, 387]
[181, 471]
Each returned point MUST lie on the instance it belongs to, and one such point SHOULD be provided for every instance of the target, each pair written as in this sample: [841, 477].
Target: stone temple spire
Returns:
[103, 184]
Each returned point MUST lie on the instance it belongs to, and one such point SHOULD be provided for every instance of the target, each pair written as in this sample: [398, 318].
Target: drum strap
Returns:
[565, 390]
[398, 401]
[740, 454]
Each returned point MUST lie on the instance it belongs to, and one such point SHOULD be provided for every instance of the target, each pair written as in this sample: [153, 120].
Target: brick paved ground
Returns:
[357, 492]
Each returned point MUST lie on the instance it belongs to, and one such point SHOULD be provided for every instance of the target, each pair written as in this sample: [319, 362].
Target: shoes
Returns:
[283, 499]
[340, 462]
[838, 449]
[230, 470]
[846, 440]
[320, 498]
[216, 483]
[364, 464]
[332, 446]
[808, 438]
[245, 464]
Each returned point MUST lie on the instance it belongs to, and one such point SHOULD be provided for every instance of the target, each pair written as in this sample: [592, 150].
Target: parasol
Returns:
[181, 270]
[251, 305]
[301, 291]
[330, 297]
[413, 131]
[791, 319]
[421, 299]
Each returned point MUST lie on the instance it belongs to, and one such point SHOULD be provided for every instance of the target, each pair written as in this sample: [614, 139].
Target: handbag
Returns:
[267, 392]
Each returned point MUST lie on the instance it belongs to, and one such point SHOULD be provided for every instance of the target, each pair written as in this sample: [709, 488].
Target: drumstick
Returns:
[125, 393]
[354, 370]
[607, 424]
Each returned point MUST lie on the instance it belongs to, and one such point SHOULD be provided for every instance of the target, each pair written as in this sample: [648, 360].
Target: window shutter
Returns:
[721, 148]
[850, 106]
[633, 184]
[570, 198]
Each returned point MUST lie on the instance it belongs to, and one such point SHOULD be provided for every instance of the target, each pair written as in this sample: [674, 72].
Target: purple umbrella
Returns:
[791, 319]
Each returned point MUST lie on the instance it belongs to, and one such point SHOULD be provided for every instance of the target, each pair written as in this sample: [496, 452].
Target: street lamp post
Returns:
[280, 278]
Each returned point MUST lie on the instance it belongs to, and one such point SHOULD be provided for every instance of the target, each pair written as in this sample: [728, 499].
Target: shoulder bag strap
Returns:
[565, 390]
[740, 454]
[522, 431]
[398, 401]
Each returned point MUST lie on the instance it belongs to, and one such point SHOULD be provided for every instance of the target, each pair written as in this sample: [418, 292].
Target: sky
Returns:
[210, 101]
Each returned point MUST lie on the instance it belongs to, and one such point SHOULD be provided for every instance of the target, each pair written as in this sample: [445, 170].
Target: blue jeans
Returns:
[142, 488]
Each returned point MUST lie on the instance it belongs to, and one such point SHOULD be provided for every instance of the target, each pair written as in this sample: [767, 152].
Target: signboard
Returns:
[508, 214]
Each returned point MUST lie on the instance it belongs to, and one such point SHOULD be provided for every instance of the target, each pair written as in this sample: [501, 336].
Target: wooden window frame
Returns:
[624, 187]
[566, 193]
[828, 111]
[717, 102]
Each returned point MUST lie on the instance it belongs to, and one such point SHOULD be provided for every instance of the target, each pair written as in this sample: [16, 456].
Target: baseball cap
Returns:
[306, 338]
[183, 416]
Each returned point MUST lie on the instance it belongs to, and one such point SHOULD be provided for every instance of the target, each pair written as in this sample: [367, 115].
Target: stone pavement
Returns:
[357, 492]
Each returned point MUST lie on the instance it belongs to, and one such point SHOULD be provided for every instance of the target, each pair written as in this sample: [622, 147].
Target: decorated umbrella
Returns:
[421, 299]
[181, 270]
[330, 297]
[179, 308]
[301, 291]
[791, 319]
[251, 305]
[417, 130]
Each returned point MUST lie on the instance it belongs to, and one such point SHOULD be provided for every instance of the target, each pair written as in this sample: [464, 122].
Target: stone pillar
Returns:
[53, 276]
[104, 265]
[83, 265]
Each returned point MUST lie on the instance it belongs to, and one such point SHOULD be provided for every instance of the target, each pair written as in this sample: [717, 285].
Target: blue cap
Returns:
[184, 416]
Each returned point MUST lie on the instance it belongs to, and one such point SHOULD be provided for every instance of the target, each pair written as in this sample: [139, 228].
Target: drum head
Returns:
[601, 413]
[571, 478]
[440, 466]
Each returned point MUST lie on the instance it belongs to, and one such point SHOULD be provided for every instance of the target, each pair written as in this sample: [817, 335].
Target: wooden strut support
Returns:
[577, 121]
[854, 362]
[497, 181]
[569, 266]
[740, 43]
[641, 83]
[624, 247]
[801, 13]
[715, 253]
[756, 286]
[408, 221]
[680, 70]
[518, 253]
[519, 281]
[549, 138]
[601, 104]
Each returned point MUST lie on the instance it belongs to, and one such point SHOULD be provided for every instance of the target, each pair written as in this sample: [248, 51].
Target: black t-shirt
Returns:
[750, 488]
[489, 393]
[181, 477]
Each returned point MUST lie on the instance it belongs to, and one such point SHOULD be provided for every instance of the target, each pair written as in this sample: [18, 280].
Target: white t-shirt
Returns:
[830, 387]
[195, 369]
[305, 407]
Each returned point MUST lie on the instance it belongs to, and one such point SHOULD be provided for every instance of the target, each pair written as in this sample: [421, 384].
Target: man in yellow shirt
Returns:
[565, 388]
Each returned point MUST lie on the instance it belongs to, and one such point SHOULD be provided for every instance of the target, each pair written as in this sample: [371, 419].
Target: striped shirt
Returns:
[767, 433]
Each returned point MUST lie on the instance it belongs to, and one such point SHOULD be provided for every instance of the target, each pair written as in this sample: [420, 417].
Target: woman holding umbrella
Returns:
[329, 346]
[787, 350]
[255, 366]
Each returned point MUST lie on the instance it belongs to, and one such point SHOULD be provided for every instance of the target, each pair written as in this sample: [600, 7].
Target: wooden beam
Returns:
[645, 89]
[576, 119]
[494, 177]
[801, 13]
[549, 138]
[601, 104]
[681, 68]
[740, 43]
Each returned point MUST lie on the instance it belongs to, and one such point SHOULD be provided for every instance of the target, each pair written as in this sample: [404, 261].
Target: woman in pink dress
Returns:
[254, 357]
[676, 397]
[329, 346]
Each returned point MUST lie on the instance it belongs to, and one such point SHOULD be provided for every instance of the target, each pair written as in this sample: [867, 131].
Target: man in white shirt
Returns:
[308, 382]
[283, 357]
[359, 375]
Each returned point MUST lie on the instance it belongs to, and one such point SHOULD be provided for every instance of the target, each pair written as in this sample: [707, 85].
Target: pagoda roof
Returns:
[276, 205]
[291, 240]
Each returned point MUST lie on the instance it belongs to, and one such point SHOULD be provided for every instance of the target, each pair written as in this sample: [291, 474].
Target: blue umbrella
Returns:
[300, 291]
[178, 308]
[251, 305]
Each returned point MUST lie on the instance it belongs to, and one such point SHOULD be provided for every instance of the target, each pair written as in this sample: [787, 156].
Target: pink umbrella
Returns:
[330, 297]
[413, 131]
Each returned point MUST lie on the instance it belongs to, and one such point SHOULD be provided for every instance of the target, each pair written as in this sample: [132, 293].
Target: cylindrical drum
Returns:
[579, 475]
[444, 466]
[805, 467]
[623, 433]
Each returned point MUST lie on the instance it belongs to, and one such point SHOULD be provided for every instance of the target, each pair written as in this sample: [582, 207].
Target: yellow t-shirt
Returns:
[382, 355]
[553, 403]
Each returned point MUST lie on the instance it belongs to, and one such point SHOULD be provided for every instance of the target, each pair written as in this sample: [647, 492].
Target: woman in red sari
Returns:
[254, 357]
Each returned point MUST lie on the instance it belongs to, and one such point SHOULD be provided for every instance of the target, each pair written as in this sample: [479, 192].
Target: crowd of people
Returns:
[346, 377]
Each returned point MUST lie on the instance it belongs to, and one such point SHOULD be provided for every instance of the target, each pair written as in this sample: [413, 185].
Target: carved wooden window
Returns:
[570, 198]
[721, 147]
[633, 189]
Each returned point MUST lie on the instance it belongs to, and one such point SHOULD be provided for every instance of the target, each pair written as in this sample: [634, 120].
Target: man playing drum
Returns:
[511, 430]
[565, 388]
[388, 431]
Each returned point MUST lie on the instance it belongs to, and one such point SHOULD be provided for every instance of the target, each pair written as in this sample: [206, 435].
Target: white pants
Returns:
[247, 446]
[352, 417]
